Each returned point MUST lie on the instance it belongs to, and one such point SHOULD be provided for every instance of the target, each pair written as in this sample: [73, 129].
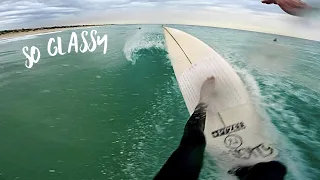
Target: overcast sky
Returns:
[239, 14]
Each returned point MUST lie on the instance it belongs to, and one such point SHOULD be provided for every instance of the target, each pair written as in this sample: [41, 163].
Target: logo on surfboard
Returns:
[234, 143]
[229, 129]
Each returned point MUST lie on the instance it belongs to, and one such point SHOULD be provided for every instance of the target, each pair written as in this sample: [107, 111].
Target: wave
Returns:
[7, 40]
[54, 32]
[274, 96]
[147, 39]
[294, 109]
[289, 153]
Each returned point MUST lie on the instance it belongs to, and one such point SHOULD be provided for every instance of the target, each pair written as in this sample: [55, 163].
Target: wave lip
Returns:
[143, 39]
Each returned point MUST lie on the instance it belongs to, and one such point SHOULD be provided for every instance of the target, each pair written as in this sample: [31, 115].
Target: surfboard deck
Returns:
[233, 126]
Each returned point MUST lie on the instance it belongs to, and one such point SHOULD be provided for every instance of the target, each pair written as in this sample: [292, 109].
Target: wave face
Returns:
[150, 40]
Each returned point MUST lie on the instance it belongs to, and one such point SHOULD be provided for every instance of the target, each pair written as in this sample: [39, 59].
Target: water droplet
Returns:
[45, 91]
[170, 120]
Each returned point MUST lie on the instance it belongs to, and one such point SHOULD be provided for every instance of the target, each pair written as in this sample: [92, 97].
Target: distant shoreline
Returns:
[31, 31]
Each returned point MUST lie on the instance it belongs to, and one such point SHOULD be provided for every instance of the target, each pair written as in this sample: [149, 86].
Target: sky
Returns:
[237, 14]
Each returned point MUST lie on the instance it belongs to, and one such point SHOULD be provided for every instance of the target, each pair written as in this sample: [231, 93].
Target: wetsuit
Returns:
[185, 163]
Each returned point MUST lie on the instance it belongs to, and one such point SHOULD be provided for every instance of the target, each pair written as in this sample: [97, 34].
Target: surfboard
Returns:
[233, 126]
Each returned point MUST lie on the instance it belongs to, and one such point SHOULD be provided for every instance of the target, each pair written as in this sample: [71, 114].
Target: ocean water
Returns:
[119, 115]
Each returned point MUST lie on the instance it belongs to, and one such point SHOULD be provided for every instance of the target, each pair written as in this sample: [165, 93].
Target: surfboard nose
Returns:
[167, 28]
[182, 46]
[173, 32]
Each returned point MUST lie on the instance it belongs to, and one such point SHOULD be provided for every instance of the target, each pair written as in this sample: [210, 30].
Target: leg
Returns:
[272, 170]
[195, 126]
[186, 161]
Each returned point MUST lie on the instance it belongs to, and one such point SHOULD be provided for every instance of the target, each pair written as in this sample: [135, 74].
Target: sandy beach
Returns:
[38, 31]
[18, 34]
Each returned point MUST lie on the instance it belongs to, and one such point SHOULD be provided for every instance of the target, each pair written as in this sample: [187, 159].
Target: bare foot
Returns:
[207, 90]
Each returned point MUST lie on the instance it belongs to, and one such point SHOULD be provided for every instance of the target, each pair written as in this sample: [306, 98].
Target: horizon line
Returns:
[199, 25]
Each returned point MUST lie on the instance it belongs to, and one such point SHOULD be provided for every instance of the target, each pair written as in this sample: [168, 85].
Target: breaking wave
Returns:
[148, 39]
[7, 40]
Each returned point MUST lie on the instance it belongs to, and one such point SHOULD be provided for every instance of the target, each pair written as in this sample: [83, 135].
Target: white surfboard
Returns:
[233, 127]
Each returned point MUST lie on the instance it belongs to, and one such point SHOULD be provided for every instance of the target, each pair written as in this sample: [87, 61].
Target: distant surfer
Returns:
[275, 40]
[186, 161]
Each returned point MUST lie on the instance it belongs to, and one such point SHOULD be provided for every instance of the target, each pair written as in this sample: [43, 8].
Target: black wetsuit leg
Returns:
[272, 170]
[186, 161]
